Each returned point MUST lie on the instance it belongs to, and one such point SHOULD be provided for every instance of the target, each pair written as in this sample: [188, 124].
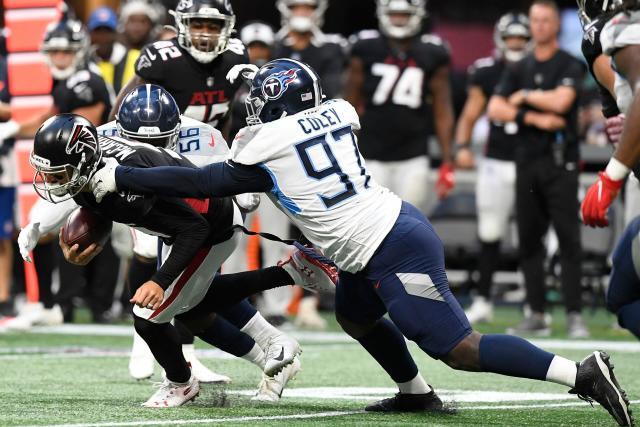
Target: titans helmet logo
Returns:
[81, 137]
[276, 84]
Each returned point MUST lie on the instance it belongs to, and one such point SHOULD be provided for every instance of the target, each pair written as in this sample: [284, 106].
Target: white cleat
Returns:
[201, 372]
[280, 352]
[35, 314]
[141, 361]
[480, 311]
[308, 270]
[308, 316]
[171, 395]
[270, 388]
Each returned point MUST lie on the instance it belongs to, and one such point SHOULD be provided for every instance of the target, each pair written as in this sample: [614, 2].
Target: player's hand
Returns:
[248, 202]
[517, 98]
[613, 127]
[549, 122]
[464, 159]
[73, 255]
[149, 295]
[103, 181]
[246, 71]
[28, 239]
[9, 129]
[446, 180]
[598, 199]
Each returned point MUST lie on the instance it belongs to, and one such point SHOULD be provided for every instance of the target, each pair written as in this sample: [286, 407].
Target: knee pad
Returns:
[354, 330]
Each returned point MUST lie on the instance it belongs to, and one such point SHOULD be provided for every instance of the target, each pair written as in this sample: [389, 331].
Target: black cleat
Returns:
[595, 381]
[429, 402]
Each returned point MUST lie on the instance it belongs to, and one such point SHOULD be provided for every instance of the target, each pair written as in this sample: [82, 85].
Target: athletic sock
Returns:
[388, 347]
[513, 356]
[256, 356]
[228, 289]
[164, 342]
[487, 263]
[629, 317]
[415, 386]
[260, 330]
[562, 371]
[186, 336]
[227, 337]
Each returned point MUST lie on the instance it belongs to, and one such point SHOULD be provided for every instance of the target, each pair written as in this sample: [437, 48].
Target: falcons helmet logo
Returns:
[81, 137]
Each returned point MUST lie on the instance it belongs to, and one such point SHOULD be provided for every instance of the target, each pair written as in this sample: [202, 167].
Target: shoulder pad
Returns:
[489, 61]
[336, 39]
[237, 47]
[432, 39]
[367, 34]
[78, 77]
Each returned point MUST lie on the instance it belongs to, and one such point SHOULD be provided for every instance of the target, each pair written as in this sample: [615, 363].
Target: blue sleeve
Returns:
[214, 180]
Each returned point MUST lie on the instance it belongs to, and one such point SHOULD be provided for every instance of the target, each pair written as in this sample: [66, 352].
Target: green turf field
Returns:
[79, 377]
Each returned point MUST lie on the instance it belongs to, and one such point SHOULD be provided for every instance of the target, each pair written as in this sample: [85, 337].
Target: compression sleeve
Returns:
[214, 180]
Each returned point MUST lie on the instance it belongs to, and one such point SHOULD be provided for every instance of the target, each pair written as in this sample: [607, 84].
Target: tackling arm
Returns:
[214, 180]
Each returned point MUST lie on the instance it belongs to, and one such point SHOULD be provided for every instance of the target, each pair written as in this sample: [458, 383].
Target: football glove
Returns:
[9, 129]
[28, 239]
[446, 180]
[246, 71]
[598, 199]
[103, 181]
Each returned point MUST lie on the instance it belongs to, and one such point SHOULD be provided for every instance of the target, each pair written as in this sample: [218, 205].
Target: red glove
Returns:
[446, 180]
[598, 199]
[613, 127]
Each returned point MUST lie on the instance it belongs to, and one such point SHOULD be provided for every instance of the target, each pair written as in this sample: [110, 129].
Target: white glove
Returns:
[9, 129]
[248, 202]
[103, 181]
[28, 239]
[246, 71]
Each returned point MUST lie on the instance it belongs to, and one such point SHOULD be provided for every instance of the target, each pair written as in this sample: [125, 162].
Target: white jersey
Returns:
[321, 182]
[199, 142]
[621, 30]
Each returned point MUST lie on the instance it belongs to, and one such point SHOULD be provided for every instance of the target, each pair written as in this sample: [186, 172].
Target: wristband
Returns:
[616, 170]
[520, 117]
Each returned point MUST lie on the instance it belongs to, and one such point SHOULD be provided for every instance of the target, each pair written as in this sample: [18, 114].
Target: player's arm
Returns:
[131, 84]
[189, 230]
[214, 180]
[627, 62]
[93, 113]
[354, 82]
[604, 73]
[442, 110]
[557, 101]
[473, 109]
[5, 111]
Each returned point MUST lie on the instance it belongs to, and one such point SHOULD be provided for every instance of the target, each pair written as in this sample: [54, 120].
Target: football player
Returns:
[192, 66]
[302, 39]
[399, 81]
[77, 88]
[495, 187]
[197, 235]
[305, 154]
[619, 39]
[623, 293]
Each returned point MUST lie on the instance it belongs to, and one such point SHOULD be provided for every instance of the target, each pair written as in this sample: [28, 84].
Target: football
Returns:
[84, 227]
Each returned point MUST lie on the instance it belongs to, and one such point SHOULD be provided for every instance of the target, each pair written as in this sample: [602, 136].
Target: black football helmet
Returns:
[65, 155]
[416, 9]
[588, 10]
[217, 10]
[149, 114]
[511, 25]
[68, 35]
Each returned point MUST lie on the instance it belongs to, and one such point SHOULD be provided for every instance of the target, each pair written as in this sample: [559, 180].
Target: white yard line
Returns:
[538, 405]
[340, 337]
[209, 420]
